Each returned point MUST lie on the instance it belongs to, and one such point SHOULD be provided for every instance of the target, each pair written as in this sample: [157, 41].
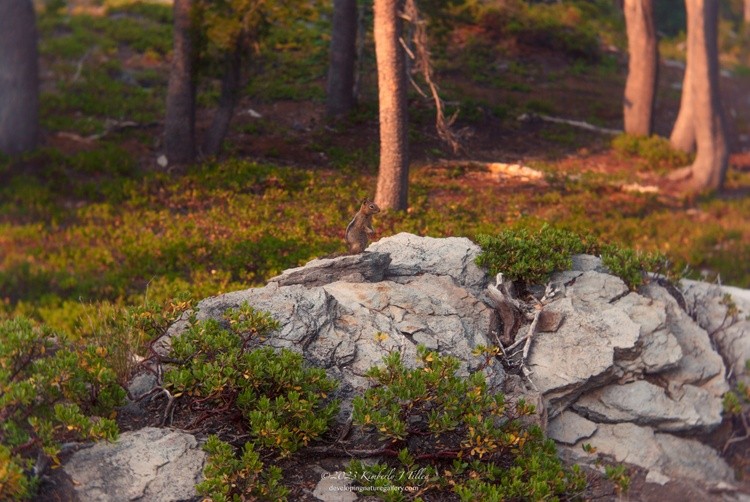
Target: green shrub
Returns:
[49, 387]
[283, 403]
[227, 476]
[655, 151]
[561, 27]
[452, 433]
[630, 265]
[618, 474]
[531, 256]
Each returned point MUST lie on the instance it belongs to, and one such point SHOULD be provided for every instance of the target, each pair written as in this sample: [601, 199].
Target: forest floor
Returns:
[92, 220]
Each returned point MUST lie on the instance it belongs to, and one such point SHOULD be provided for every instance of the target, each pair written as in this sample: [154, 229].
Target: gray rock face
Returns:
[610, 367]
[642, 403]
[452, 256]
[731, 333]
[423, 293]
[158, 465]
[569, 428]
[592, 371]
[368, 267]
[700, 364]
[608, 334]
[664, 455]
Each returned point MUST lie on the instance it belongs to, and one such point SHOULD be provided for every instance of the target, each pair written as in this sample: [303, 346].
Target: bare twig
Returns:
[113, 126]
[79, 66]
[169, 411]
[574, 123]
[738, 439]
[423, 66]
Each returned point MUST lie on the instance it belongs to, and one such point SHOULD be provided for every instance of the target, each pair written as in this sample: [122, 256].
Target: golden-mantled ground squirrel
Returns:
[360, 228]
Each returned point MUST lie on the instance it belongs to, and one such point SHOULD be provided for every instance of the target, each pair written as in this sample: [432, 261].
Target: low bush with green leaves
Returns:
[655, 151]
[448, 433]
[51, 391]
[530, 256]
[281, 403]
[227, 475]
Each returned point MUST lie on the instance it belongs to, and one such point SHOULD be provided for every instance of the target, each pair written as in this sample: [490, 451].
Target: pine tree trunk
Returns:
[179, 134]
[230, 92]
[683, 132]
[712, 155]
[746, 15]
[19, 77]
[640, 88]
[340, 97]
[393, 176]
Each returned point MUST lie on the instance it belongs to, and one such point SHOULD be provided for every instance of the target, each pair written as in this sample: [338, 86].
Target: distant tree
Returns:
[701, 106]
[230, 94]
[19, 77]
[207, 31]
[393, 176]
[643, 64]
[179, 134]
[340, 98]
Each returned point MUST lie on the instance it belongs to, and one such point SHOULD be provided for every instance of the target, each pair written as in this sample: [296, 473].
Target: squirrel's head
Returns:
[369, 206]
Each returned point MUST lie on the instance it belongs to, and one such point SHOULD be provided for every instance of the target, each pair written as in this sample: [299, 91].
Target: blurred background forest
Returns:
[96, 218]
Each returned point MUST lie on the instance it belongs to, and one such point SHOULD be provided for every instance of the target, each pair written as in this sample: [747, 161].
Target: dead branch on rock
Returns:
[169, 410]
[502, 297]
[512, 311]
[738, 439]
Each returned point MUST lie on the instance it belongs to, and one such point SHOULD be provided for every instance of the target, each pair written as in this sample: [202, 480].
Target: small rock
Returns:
[142, 384]
[158, 465]
[334, 487]
[587, 263]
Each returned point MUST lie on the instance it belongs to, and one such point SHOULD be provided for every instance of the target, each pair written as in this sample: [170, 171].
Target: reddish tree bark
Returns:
[712, 154]
[393, 175]
[19, 77]
[340, 98]
[683, 132]
[643, 64]
[179, 134]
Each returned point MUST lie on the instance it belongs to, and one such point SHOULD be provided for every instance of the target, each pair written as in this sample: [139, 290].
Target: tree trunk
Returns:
[19, 77]
[640, 89]
[683, 132]
[340, 97]
[746, 15]
[709, 168]
[230, 92]
[393, 176]
[179, 134]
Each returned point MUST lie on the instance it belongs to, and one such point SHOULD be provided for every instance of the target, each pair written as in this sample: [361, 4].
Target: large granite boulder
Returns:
[617, 369]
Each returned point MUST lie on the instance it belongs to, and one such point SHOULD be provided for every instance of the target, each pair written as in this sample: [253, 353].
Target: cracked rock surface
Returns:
[159, 465]
[425, 292]
[623, 371]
